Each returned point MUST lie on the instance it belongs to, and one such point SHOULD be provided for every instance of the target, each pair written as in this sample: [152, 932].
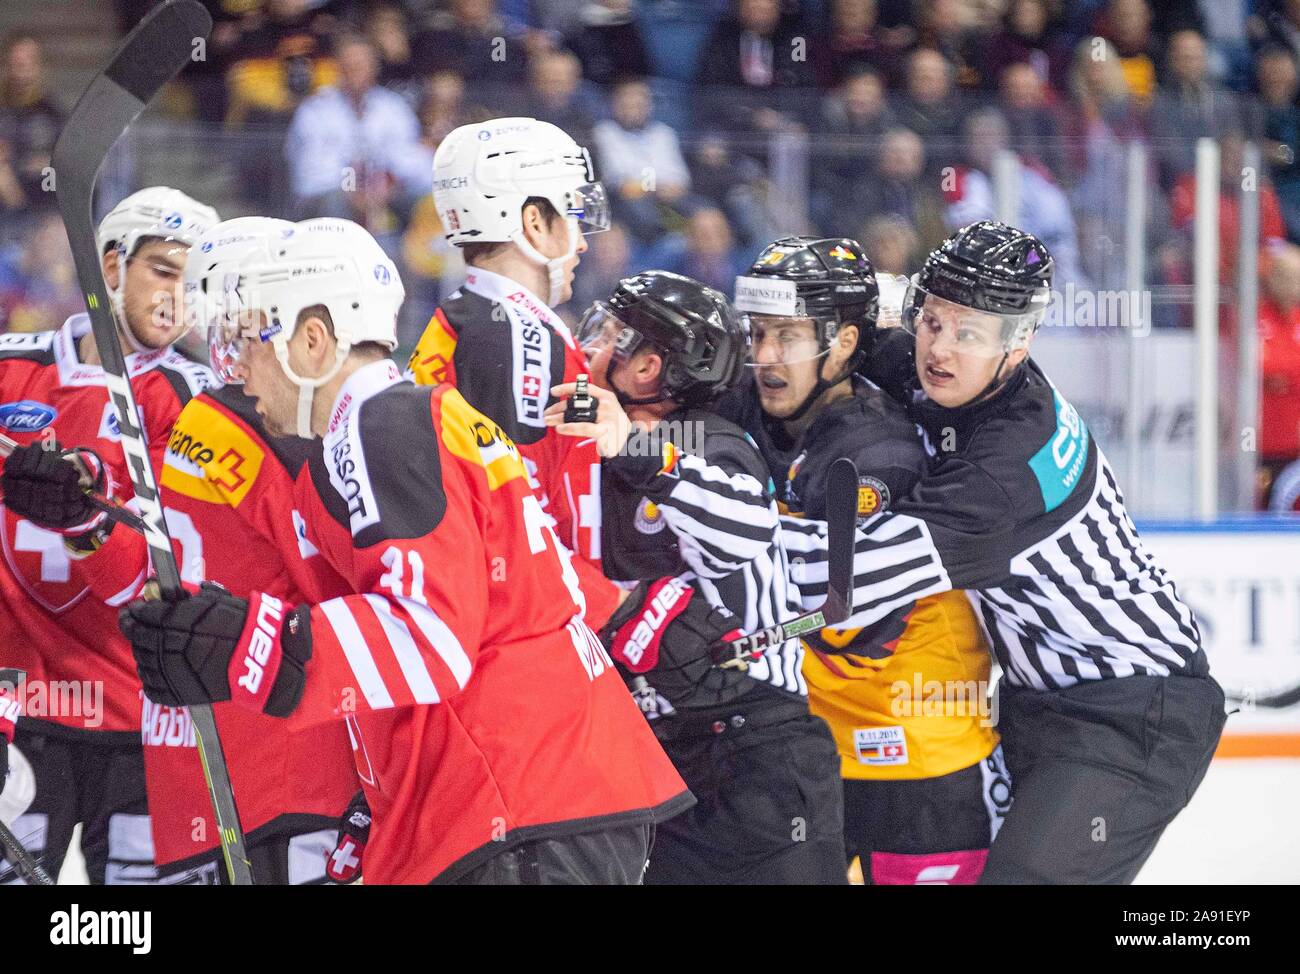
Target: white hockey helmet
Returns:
[330, 262]
[211, 273]
[157, 211]
[483, 174]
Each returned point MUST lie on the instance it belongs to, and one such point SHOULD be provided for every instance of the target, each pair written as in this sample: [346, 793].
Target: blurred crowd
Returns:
[701, 114]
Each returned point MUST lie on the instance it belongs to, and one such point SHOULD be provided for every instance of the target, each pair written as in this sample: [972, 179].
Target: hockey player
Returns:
[1108, 714]
[517, 196]
[688, 513]
[81, 730]
[228, 492]
[924, 787]
[502, 746]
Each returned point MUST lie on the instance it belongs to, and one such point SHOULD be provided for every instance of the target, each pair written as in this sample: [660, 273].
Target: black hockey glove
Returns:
[212, 646]
[665, 629]
[347, 860]
[47, 486]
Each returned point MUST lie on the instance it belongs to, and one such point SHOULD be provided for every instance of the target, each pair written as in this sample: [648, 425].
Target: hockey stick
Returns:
[152, 54]
[22, 861]
[841, 524]
[115, 511]
[14, 851]
[1278, 700]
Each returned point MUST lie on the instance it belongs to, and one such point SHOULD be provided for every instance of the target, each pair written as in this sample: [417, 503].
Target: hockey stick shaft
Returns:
[841, 524]
[22, 860]
[150, 56]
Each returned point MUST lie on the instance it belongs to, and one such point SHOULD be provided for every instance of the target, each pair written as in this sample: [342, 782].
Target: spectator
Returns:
[29, 123]
[733, 183]
[1278, 23]
[892, 246]
[929, 107]
[1043, 208]
[38, 281]
[276, 65]
[854, 43]
[640, 160]
[1027, 37]
[1182, 203]
[757, 61]
[854, 117]
[1279, 334]
[1127, 25]
[945, 26]
[388, 32]
[707, 253]
[898, 188]
[1103, 119]
[608, 260]
[1035, 130]
[608, 42]
[1277, 80]
[555, 95]
[1189, 105]
[353, 150]
[472, 39]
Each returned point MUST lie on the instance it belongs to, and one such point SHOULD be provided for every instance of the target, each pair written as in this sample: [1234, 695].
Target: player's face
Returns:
[786, 359]
[958, 351]
[152, 289]
[264, 381]
[555, 243]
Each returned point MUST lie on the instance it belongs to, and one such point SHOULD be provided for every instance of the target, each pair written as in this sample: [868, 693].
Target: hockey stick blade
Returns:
[841, 525]
[22, 861]
[1277, 700]
[150, 56]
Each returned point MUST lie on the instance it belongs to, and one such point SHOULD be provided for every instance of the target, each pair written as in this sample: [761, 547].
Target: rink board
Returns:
[1242, 579]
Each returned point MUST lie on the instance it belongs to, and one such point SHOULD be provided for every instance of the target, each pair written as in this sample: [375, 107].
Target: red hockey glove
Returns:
[212, 646]
[634, 633]
[345, 862]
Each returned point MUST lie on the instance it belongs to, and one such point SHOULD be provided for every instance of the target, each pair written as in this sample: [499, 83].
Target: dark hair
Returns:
[377, 349]
[474, 252]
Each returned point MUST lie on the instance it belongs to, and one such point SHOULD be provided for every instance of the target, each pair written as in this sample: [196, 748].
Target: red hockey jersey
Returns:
[504, 350]
[80, 671]
[228, 491]
[488, 712]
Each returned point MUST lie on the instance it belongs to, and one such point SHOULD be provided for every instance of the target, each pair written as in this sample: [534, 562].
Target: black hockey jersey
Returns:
[1019, 505]
[712, 516]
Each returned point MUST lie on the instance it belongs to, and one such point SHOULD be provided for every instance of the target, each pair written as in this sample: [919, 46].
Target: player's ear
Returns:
[648, 372]
[1016, 357]
[110, 267]
[534, 224]
[317, 340]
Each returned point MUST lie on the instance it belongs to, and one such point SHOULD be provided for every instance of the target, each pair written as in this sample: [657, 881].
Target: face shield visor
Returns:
[589, 205]
[985, 334]
[600, 332]
[232, 323]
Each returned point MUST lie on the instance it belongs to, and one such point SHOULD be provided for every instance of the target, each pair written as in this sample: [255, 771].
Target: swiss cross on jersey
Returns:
[41, 564]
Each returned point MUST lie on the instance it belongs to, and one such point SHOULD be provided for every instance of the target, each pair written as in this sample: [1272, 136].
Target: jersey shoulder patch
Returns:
[1058, 464]
[211, 456]
[34, 346]
[505, 364]
[380, 473]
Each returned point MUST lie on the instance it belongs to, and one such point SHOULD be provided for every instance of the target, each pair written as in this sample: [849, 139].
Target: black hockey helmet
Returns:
[692, 326]
[829, 280]
[993, 268]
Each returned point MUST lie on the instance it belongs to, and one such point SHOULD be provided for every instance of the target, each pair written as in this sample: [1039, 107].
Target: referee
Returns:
[688, 513]
[1108, 714]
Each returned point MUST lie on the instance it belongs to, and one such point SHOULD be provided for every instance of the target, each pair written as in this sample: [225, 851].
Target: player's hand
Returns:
[611, 428]
[212, 646]
[48, 486]
[665, 624]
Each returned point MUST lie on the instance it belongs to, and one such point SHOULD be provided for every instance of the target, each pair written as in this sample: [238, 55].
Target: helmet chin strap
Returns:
[554, 265]
[117, 298]
[815, 393]
[307, 387]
